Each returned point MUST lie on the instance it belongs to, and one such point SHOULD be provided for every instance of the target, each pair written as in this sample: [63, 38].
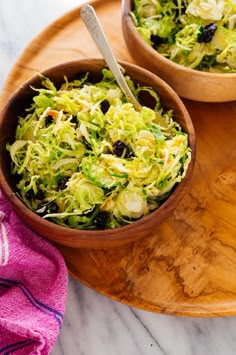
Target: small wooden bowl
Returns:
[188, 83]
[80, 238]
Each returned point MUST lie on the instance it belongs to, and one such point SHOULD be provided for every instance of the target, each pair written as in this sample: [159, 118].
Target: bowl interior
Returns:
[188, 83]
[68, 236]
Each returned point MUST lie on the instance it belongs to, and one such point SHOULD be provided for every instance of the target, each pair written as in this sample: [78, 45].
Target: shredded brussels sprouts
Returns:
[197, 34]
[86, 159]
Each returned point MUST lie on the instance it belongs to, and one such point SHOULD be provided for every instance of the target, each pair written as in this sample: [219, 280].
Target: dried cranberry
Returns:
[30, 194]
[74, 120]
[40, 195]
[119, 147]
[61, 184]
[101, 220]
[48, 120]
[157, 40]
[52, 207]
[208, 33]
[105, 106]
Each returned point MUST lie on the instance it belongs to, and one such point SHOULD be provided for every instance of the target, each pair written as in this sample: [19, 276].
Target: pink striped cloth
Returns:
[33, 288]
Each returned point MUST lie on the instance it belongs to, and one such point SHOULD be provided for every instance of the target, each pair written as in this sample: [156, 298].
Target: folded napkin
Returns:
[33, 287]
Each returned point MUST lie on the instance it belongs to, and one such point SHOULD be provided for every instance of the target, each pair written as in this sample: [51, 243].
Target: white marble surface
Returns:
[94, 324]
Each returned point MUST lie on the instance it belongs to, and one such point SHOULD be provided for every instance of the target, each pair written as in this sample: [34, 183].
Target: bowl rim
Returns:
[107, 234]
[129, 23]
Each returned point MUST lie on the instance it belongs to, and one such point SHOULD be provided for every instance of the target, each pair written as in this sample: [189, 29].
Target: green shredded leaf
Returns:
[173, 28]
[67, 154]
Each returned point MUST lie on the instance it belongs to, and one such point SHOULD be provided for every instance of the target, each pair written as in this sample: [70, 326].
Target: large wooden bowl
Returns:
[188, 83]
[68, 236]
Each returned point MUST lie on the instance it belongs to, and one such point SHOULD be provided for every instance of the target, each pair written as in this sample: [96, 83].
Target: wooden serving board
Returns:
[187, 266]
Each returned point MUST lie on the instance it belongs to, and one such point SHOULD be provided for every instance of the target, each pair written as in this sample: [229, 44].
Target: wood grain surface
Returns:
[187, 266]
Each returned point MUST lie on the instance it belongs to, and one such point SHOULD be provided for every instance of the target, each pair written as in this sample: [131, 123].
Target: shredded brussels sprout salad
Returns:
[199, 34]
[86, 159]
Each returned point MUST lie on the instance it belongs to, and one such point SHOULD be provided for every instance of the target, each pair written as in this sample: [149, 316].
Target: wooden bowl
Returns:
[188, 83]
[80, 238]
